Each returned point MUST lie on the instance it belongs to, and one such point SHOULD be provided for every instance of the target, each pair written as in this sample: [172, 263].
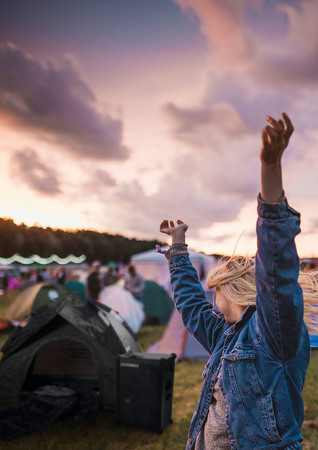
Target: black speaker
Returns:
[145, 390]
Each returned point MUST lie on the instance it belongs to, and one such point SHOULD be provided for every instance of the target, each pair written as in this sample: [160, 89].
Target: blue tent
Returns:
[313, 340]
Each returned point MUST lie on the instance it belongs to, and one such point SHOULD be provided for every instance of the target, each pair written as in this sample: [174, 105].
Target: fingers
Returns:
[265, 137]
[278, 125]
[279, 132]
[289, 126]
[164, 226]
[276, 131]
[275, 137]
[272, 134]
[168, 227]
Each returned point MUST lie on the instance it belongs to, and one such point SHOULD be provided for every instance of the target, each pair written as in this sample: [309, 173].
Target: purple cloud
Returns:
[97, 184]
[104, 178]
[266, 42]
[54, 102]
[26, 166]
[219, 118]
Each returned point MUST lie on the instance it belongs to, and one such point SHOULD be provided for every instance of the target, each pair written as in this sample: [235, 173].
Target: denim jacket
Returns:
[265, 354]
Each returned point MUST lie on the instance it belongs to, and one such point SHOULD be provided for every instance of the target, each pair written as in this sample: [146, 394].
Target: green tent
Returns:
[158, 305]
[34, 297]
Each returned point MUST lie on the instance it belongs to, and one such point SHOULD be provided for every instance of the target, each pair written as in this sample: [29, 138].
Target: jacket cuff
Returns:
[280, 210]
[176, 250]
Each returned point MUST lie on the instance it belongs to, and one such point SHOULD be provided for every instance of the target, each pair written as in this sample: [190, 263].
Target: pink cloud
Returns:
[57, 104]
[238, 47]
[222, 22]
[96, 183]
[303, 26]
[26, 166]
[205, 125]
[201, 188]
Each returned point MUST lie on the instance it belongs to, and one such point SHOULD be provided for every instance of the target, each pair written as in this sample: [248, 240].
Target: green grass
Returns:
[99, 431]
[310, 396]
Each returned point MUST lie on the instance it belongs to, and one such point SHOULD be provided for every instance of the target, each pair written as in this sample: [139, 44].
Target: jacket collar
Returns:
[249, 311]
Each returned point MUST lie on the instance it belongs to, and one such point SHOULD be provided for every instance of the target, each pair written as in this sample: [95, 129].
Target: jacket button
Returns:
[201, 416]
[208, 389]
[234, 352]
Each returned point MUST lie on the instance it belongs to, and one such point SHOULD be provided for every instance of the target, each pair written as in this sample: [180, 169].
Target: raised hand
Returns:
[177, 232]
[275, 139]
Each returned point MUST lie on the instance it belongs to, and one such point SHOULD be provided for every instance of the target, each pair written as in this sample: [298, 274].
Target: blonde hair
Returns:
[235, 278]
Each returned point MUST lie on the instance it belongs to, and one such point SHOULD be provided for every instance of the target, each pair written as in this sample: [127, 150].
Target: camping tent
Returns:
[158, 304]
[123, 302]
[68, 346]
[34, 297]
[14, 283]
[154, 266]
[176, 339]
[313, 340]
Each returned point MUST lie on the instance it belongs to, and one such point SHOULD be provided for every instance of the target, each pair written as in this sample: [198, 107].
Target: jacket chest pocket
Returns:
[240, 370]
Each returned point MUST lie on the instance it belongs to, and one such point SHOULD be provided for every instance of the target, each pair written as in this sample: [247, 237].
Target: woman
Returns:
[259, 343]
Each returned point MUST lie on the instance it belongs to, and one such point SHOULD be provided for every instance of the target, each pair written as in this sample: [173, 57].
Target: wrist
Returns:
[271, 167]
[271, 183]
[178, 239]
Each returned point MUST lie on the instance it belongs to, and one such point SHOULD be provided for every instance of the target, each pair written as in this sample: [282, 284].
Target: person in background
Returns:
[111, 275]
[61, 275]
[45, 274]
[121, 279]
[4, 283]
[39, 277]
[94, 285]
[257, 329]
[134, 283]
[74, 285]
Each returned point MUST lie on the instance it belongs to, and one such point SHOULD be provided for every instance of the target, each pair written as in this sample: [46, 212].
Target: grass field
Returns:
[100, 431]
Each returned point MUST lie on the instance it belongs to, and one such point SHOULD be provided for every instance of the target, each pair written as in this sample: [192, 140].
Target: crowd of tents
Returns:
[61, 357]
[59, 363]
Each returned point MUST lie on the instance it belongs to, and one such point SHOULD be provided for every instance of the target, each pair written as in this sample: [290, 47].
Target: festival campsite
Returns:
[76, 348]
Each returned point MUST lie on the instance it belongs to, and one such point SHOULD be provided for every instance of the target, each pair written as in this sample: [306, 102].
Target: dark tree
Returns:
[46, 241]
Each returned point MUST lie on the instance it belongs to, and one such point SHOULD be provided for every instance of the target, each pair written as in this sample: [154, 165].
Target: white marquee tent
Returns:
[154, 266]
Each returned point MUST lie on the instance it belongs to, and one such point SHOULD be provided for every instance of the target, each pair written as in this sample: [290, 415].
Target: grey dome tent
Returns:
[68, 346]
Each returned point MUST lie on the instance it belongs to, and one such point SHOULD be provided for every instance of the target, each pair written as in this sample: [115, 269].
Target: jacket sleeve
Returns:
[279, 301]
[196, 311]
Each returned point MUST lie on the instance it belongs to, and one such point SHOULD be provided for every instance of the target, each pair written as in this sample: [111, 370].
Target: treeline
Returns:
[46, 241]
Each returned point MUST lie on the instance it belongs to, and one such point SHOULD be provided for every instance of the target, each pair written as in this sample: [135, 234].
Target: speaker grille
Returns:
[144, 390]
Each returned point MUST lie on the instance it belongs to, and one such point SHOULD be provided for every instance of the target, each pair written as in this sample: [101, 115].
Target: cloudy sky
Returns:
[117, 114]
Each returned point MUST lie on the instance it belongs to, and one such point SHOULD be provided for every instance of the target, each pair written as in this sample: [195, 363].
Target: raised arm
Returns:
[189, 296]
[279, 300]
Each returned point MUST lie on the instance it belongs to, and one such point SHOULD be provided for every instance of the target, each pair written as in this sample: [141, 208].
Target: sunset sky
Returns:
[117, 114]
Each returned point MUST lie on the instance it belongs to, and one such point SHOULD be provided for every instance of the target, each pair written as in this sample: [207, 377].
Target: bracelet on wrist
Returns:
[179, 243]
